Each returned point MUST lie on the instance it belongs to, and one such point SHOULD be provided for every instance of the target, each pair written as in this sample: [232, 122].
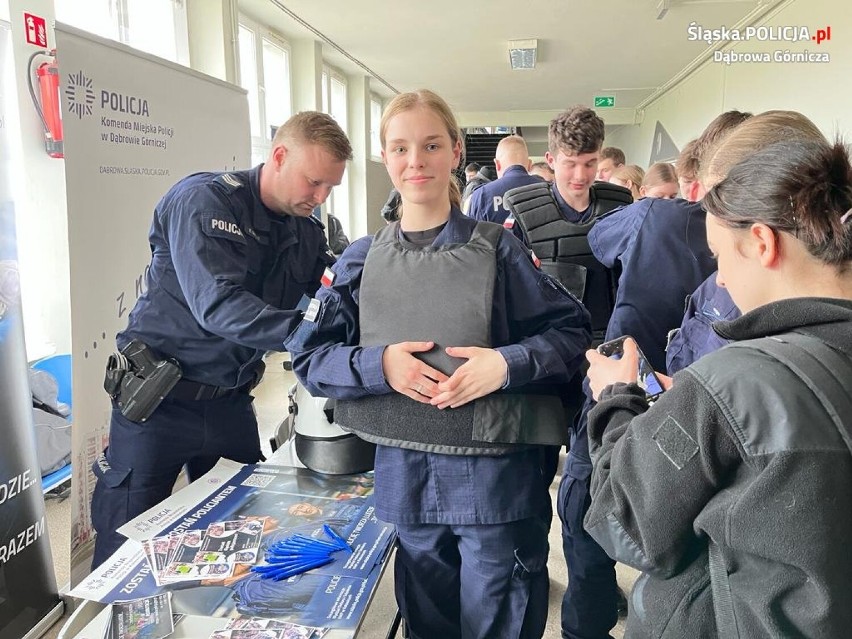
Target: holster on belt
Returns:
[138, 380]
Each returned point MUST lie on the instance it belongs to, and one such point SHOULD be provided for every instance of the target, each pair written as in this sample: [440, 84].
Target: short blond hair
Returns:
[659, 173]
[632, 172]
[512, 149]
[313, 127]
[687, 163]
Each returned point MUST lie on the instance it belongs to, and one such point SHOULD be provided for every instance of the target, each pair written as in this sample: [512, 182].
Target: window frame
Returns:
[375, 127]
[122, 23]
[339, 202]
[261, 144]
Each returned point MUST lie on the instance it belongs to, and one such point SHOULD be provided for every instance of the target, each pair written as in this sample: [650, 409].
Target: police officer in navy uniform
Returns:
[446, 345]
[232, 256]
[512, 160]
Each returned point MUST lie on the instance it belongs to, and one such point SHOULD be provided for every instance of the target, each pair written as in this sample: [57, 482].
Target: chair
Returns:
[60, 367]
[57, 483]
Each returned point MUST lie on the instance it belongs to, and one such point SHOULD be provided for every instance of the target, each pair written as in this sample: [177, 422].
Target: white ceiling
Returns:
[460, 48]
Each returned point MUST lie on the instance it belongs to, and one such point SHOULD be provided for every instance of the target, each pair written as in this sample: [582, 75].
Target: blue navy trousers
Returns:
[590, 603]
[473, 581]
[139, 468]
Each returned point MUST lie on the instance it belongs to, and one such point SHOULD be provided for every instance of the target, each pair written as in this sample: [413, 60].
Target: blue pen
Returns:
[288, 565]
[274, 568]
[313, 542]
[305, 542]
[340, 540]
[296, 570]
[284, 556]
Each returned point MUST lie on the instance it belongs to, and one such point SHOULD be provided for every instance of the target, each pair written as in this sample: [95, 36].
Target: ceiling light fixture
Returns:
[522, 53]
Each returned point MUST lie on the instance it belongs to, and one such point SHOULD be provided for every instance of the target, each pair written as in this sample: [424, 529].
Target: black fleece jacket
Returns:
[740, 457]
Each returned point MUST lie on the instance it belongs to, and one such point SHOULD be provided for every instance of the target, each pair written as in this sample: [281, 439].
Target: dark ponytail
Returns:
[800, 187]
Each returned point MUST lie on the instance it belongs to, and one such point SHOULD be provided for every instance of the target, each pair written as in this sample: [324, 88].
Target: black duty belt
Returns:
[188, 390]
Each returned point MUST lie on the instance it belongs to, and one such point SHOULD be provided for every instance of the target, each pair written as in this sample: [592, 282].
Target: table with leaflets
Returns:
[191, 557]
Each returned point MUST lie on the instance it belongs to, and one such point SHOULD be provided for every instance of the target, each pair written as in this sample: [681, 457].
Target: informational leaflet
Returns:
[145, 618]
[205, 554]
[260, 628]
[234, 511]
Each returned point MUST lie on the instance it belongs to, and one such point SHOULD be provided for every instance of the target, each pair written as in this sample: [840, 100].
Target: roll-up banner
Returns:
[28, 594]
[134, 125]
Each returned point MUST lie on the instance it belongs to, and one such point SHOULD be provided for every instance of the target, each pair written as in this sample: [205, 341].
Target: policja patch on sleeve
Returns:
[219, 224]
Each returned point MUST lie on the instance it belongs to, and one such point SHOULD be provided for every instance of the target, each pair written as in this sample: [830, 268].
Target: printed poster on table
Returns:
[282, 501]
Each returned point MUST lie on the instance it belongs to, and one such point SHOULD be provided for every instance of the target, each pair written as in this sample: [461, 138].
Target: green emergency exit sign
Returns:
[604, 101]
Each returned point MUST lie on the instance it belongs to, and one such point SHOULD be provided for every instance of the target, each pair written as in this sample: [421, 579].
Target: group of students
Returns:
[446, 344]
[455, 345]
[660, 180]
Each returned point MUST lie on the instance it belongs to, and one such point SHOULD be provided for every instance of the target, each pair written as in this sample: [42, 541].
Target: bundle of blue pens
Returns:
[299, 553]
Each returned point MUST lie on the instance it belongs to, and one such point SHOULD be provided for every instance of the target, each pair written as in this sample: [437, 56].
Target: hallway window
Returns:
[265, 74]
[334, 102]
[157, 27]
[375, 125]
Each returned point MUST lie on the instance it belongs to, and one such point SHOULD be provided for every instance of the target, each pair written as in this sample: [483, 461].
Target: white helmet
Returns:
[322, 445]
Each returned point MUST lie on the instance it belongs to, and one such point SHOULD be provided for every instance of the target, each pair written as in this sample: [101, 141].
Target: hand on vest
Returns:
[484, 372]
[408, 375]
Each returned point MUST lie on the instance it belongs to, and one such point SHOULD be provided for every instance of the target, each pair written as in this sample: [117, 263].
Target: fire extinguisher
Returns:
[49, 103]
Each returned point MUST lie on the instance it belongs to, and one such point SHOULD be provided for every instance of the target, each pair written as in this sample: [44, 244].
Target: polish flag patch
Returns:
[535, 259]
[327, 278]
[509, 223]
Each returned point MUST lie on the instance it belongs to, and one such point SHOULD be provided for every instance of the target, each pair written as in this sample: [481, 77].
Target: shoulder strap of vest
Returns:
[532, 205]
[605, 197]
[489, 232]
[820, 367]
[388, 233]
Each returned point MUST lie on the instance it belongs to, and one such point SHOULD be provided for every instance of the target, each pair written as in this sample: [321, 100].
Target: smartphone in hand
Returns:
[646, 377]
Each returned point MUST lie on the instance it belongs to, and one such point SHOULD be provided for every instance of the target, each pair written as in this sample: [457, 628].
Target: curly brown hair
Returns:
[575, 131]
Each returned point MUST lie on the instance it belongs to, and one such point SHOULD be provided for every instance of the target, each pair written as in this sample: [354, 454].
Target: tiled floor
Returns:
[271, 406]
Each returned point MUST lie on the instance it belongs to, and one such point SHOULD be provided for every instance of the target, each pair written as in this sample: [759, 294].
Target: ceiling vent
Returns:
[522, 53]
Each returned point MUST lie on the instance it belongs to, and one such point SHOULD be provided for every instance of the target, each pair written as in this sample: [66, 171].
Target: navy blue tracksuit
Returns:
[472, 556]
[225, 277]
[662, 250]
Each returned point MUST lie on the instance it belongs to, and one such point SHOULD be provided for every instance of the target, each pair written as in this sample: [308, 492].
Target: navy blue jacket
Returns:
[486, 203]
[661, 248]
[541, 330]
[696, 338]
[225, 277]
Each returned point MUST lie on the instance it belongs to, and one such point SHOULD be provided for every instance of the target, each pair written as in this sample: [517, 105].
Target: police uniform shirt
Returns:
[540, 329]
[225, 277]
[486, 203]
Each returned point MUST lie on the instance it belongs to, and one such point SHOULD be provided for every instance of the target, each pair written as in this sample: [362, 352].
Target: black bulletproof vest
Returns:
[563, 246]
[444, 295]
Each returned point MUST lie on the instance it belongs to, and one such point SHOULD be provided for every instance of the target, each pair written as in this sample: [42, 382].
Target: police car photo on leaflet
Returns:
[646, 377]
